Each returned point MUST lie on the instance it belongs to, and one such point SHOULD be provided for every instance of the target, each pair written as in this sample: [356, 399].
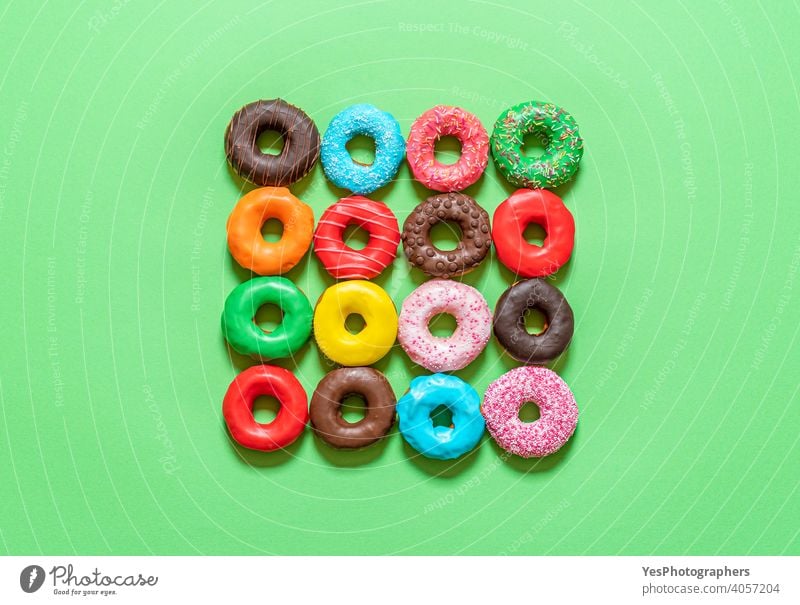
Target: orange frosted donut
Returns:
[247, 244]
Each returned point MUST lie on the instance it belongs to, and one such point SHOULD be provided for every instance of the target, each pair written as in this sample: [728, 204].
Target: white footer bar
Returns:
[406, 580]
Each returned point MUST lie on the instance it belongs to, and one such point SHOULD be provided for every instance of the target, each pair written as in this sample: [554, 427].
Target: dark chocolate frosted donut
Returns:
[300, 143]
[509, 321]
[326, 407]
[471, 250]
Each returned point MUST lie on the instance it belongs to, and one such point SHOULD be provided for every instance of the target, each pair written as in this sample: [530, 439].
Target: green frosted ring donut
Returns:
[557, 129]
[244, 334]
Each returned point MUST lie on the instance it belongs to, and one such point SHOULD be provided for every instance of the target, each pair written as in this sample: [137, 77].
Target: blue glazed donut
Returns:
[367, 120]
[424, 396]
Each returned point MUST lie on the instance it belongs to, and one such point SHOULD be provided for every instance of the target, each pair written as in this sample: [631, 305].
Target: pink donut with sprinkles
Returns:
[444, 120]
[473, 319]
[557, 408]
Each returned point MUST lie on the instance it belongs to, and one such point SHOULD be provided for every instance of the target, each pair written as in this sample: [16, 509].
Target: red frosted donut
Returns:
[237, 408]
[544, 208]
[344, 262]
[438, 122]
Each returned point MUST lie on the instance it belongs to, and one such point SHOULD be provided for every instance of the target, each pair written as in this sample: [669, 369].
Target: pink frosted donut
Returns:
[438, 122]
[558, 412]
[465, 304]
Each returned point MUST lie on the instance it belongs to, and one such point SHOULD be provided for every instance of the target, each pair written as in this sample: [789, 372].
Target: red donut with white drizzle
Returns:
[345, 262]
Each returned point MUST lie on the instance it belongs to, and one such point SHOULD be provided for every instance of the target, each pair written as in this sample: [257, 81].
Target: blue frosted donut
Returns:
[367, 120]
[426, 394]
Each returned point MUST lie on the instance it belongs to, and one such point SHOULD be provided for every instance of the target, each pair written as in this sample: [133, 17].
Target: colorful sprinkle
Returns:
[558, 412]
[559, 131]
[465, 304]
[444, 120]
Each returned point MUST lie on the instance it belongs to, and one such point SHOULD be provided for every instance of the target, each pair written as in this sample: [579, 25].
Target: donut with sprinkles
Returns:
[556, 129]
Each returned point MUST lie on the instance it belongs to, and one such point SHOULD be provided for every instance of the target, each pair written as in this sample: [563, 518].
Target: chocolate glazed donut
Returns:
[471, 250]
[509, 321]
[300, 143]
[326, 407]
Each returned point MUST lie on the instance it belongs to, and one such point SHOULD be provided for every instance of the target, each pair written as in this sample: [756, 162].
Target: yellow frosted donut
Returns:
[355, 297]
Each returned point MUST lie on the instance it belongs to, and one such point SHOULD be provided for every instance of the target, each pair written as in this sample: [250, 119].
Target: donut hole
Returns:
[355, 237]
[442, 415]
[268, 317]
[354, 323]
[535, 321]
[446, 235]
[534, 144]
[272, 230]
[270, 142]
[265, 409]
[529, 412]
[447, 150]
[362, 149]
[353, 408]
[534, 234]
[442, 325]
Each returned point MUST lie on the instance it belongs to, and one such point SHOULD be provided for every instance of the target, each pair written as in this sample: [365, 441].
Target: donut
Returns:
[473, 319]
[241, 330]
[300, 143]
[558, 412]
[557, 129]
[543, 208]
[367, 120]
[270, 381]
[476, 238]
[344, 262]
[355, 297]
[247, 244]
[326, 407]
[427, 129]
[425, 394]
[509, 321]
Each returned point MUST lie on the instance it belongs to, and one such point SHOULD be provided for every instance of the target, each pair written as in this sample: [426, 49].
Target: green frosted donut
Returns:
[244, 334]
[563, 145]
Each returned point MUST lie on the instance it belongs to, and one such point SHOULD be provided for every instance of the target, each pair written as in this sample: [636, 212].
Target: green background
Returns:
[114, 195]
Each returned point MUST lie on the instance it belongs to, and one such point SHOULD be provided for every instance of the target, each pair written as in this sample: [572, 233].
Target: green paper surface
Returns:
[114, 192]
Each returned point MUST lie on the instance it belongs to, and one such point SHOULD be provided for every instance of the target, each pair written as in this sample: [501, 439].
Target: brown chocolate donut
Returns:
[300, 143]
[471, 250]
[509, 321]
[326, 407]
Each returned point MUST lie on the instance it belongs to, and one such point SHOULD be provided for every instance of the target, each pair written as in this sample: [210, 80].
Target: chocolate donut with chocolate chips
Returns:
[326, 407]
[300, 143]
[509, 321]
[471, 250]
